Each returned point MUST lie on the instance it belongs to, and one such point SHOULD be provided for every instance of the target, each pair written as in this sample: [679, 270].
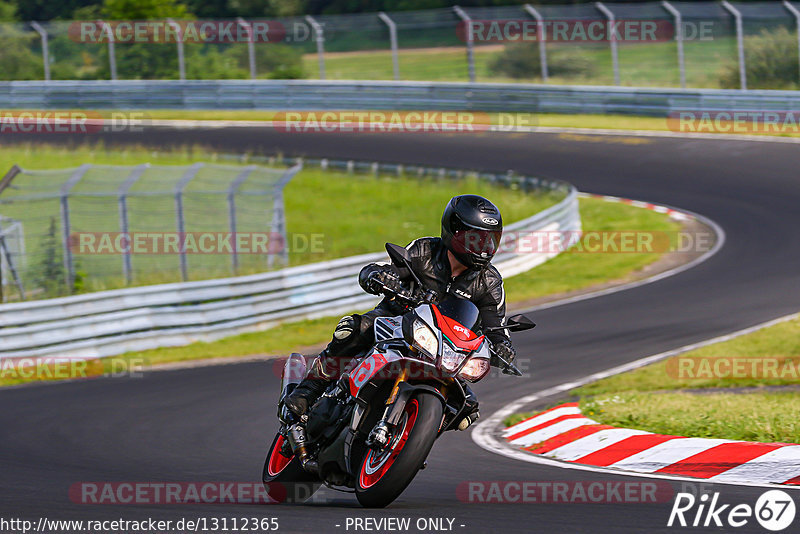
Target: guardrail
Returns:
[112, 322]
[349, 95]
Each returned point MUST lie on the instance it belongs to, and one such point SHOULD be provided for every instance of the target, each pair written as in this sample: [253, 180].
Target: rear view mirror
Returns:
[398, 255]
[518, 323]
[402, 260]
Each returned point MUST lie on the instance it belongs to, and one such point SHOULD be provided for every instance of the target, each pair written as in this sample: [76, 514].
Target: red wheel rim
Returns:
[277, 461]
[375, 466]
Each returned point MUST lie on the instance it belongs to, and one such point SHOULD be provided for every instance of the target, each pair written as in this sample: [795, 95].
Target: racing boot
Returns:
[311, 387]
[324, 370]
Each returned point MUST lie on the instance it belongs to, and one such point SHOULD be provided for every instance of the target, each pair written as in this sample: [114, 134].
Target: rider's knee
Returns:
[347, 329]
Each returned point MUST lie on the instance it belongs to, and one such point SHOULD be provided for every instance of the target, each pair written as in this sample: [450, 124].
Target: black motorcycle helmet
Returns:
[471, 229]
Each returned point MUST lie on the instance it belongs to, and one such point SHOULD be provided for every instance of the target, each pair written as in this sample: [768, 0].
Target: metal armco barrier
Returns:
[112, 322]
[348, 95]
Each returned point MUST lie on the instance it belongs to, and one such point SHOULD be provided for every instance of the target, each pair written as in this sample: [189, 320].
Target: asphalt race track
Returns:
[214, 423]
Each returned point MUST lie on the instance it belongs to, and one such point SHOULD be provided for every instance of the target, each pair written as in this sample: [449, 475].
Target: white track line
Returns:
[206, 123]
[592, 443]
[543, 418]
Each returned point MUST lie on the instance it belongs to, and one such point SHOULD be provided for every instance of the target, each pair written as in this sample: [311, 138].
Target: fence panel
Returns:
[430, 45]
[183, 222]
[646, 58]
[709, 43]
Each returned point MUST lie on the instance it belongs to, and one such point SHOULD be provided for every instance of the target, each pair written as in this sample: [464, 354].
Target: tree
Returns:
[50, 269]
[48, 9]
[8, 11]
[144, 9]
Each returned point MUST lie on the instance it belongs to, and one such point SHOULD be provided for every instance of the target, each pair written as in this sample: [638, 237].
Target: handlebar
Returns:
[508, 367]
[407, 296]
[429, 297]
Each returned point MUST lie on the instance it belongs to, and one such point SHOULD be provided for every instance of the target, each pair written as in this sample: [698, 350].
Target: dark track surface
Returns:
[215, 423]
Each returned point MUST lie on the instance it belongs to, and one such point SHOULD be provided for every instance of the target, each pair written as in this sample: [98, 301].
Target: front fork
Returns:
[378, 438]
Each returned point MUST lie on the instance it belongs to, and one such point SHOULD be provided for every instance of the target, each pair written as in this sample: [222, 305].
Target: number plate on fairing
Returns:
[368, 368]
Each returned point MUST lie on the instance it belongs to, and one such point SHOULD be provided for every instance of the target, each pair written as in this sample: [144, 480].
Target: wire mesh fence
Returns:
[675, 43]
[102, 226]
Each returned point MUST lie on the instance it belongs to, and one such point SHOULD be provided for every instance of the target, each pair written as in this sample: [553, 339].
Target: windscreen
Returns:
[461, 310]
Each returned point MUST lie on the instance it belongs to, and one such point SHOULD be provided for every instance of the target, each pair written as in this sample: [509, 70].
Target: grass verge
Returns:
[744, 389]
[559, 120]
[564, 273]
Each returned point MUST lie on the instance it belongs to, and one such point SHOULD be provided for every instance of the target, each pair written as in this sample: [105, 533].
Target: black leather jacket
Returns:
[483, 287]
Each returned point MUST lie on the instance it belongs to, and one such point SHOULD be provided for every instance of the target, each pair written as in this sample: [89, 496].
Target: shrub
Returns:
[18, 61]
[49, 271]
[521, 60]
[273, 60]
[770, 62]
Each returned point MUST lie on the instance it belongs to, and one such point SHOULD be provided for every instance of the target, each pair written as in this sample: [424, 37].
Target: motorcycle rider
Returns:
[457, 263]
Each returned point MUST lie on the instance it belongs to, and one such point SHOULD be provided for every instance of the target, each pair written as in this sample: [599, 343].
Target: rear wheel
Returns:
[284, 478]
[383, 476]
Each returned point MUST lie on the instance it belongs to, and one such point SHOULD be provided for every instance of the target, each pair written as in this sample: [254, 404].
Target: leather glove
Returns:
[505, 350]
[374, 278]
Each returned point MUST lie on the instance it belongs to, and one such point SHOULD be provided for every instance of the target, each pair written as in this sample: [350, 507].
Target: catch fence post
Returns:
[542, 37]
[470, 44]
[612, 38]
[190, 173]
[678, 38]
[737, 17]
[122, 202]
[66, 187]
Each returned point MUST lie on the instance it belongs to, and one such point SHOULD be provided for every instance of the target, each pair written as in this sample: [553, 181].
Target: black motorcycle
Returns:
[372, 430]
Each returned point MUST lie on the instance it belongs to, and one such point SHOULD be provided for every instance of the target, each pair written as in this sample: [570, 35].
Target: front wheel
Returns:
[383, 476]
[284, 478]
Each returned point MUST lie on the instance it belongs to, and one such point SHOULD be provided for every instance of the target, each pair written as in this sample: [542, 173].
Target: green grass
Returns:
[572, 271]
[762, 416]
[656, 398]
[358, 213]
[652, 64]
[780, 342]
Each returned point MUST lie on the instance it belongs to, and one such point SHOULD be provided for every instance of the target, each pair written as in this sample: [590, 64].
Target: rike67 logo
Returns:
[774, 510]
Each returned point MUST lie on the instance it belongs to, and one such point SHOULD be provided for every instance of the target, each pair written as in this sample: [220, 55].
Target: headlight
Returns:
[474, 369]
[450, 358]
[425, 339]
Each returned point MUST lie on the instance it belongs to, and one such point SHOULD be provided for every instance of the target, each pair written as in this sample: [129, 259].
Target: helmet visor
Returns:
[480, 244]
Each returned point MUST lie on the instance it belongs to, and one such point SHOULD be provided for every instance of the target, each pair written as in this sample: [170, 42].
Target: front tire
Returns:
[284, 478]
[383, 477]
